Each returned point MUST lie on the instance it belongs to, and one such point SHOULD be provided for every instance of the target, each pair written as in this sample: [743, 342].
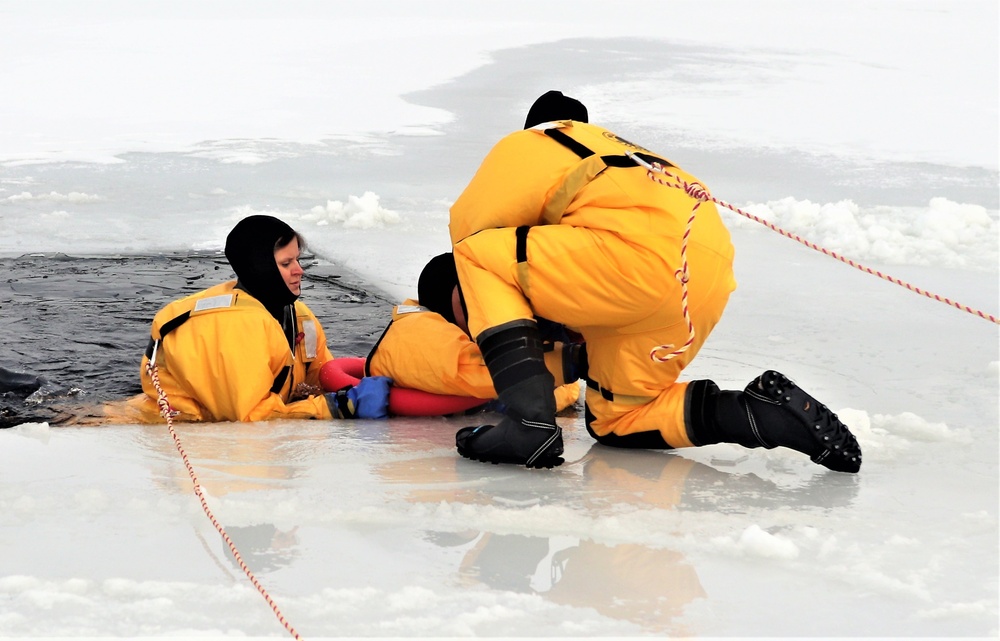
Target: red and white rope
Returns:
[675, 181]
[700, 195]
[168, 413]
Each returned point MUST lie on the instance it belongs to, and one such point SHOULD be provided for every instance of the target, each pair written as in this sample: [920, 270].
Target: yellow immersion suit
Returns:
[559, 223]
[230, 361]
[422, 350]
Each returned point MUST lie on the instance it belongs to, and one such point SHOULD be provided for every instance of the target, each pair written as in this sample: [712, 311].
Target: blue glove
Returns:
[368, 399]
[371, 397]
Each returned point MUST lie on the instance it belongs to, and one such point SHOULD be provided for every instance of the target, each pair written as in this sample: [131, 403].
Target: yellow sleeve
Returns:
[511, 186]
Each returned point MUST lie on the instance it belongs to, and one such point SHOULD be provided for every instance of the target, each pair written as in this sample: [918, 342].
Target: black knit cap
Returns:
[250, 251]
[553, 105]
[436, 283]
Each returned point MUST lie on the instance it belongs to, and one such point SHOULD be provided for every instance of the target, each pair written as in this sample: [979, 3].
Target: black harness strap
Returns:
[167, 327]
[371, 354]
[521, 234]
[174, 323]
[580, 149]
[625, 161]
[606, 393]
[279, 380]
[614, 160]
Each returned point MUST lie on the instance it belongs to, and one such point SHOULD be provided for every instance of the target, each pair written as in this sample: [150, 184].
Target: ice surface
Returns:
[867, 126]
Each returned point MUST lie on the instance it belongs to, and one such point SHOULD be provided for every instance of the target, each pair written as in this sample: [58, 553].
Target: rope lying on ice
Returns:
[168, 413]
[655, 170]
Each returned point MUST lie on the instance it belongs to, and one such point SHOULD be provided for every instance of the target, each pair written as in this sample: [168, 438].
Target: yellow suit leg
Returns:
[575, 276]
[620, 293]
[620, 361]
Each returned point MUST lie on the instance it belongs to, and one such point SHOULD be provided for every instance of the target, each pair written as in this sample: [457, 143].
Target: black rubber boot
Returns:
[527, 435]
[772, 411]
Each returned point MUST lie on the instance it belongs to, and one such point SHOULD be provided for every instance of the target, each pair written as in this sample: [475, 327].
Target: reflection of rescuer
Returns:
[426, 345]
[559, 222]
[249, 350]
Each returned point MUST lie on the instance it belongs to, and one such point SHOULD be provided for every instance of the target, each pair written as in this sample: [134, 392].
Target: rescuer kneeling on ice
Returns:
[560, 222]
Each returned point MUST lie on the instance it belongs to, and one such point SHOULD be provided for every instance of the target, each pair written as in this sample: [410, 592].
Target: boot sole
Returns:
[841, 451]
[540, 463]
[546, 456]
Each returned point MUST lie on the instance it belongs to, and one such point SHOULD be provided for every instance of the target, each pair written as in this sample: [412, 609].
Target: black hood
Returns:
[250, 251]
[437, 281]
[553, 105]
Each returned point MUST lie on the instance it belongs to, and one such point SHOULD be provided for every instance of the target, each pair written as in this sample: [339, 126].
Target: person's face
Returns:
[287, 258]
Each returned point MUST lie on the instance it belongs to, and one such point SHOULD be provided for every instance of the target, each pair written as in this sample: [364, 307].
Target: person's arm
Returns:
[511, 186]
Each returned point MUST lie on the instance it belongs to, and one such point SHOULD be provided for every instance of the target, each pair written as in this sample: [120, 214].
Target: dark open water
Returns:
[73, 329]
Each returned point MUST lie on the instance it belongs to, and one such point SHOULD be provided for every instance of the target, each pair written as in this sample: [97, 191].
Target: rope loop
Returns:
[659, 348]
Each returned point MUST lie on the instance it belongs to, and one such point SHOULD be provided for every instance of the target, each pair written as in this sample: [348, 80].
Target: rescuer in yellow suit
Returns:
[249, 350]
[426, 345]
[561, 222]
